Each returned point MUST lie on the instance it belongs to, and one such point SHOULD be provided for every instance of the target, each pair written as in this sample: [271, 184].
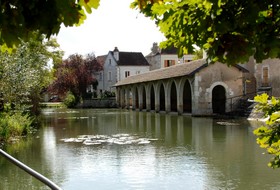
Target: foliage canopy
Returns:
[269, 134]
[230, 31]
[18, 19]
[24, 73]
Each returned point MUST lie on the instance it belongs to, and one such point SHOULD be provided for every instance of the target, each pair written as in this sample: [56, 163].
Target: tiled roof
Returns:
[131, 59]
[186, 69]
[169, 50]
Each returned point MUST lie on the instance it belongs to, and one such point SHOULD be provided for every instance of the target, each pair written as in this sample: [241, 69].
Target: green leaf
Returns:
[261, 98]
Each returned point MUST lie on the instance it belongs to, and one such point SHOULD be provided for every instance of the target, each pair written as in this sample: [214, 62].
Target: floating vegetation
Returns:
[118, 139]
[227, 123]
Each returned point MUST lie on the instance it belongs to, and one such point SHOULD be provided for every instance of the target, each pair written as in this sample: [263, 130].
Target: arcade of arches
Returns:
[203, 90]
[166, 96]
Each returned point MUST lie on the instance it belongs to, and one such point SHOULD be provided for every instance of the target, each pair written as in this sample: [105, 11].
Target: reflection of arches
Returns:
[152, 98]
[173, 97]
[162, 98]
[219, 99]
[144, 98]
[187, 98]
[136, 98]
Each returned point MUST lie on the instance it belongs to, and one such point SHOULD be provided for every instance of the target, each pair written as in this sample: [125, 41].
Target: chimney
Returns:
[116, 54]
[155, 48]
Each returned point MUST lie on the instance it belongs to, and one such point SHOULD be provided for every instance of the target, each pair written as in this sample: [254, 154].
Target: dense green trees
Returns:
[19, 19]
[26, 72]
[230, 31]
[23, 76]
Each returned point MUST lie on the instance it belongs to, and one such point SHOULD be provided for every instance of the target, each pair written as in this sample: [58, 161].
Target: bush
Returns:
[13, 125]
[70, 100]
[108, 94]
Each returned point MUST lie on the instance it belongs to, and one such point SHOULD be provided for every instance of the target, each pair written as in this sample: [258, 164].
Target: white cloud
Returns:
[113, 24]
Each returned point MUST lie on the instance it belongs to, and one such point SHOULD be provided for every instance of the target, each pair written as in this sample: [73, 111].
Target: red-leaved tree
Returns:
[74, 75]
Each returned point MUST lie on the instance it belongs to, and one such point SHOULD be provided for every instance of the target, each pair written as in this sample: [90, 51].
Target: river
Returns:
[121, 149]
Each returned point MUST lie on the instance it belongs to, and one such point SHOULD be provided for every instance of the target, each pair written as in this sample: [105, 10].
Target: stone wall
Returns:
[273, 85]
[216, 74]
[99, 103]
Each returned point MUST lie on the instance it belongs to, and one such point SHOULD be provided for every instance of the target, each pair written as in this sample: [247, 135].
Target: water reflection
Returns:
[188, 153]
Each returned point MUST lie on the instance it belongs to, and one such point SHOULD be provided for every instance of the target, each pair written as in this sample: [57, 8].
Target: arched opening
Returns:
[144, 98]
[152, 98]
[136, 99]
[162, 98]
[219, 99]
[187, 98]
[173, 97]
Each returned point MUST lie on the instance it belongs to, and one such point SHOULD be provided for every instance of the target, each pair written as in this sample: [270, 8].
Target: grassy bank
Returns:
[52, 105]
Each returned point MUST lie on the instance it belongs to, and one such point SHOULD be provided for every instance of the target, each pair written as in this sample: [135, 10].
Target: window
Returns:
[265, 76]
[168, 63]
[137, 72]
[127, 73]
[100, 76]
[109, 76]
[110, 61]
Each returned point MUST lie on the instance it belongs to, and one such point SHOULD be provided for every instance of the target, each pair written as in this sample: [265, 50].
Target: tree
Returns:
[19, 19]
[198, 54]
[269, 134]
[229, 31]
[75, 74]
[25, 73]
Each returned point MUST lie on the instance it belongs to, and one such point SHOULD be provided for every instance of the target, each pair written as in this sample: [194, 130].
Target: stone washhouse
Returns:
[195, 88]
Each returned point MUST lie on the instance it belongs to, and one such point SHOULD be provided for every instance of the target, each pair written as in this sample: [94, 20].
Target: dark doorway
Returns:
[187, 98]
[136, 99]
[144, 98]
[173, 97]
[152, 98]
[219, 99]
[162, 98]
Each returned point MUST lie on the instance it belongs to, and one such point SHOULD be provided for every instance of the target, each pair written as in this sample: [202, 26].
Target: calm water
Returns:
[138, 150]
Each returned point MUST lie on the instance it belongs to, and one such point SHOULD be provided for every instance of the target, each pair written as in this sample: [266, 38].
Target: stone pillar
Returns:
[167, 101]
[167, 98]
[180, 106]
[127, 98]
[122, 98]
[157, 102]
[133, 98]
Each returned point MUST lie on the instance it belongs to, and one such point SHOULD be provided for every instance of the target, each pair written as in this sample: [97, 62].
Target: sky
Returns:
[113, 24]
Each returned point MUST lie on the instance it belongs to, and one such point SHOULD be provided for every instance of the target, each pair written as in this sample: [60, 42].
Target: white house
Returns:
[118, 65]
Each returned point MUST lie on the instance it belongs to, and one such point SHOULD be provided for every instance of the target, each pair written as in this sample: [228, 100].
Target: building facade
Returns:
[119, 65]
[162, 58]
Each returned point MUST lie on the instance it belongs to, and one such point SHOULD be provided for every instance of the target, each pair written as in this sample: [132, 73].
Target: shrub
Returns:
[108, 94]
[70, 100]
[15, 124]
